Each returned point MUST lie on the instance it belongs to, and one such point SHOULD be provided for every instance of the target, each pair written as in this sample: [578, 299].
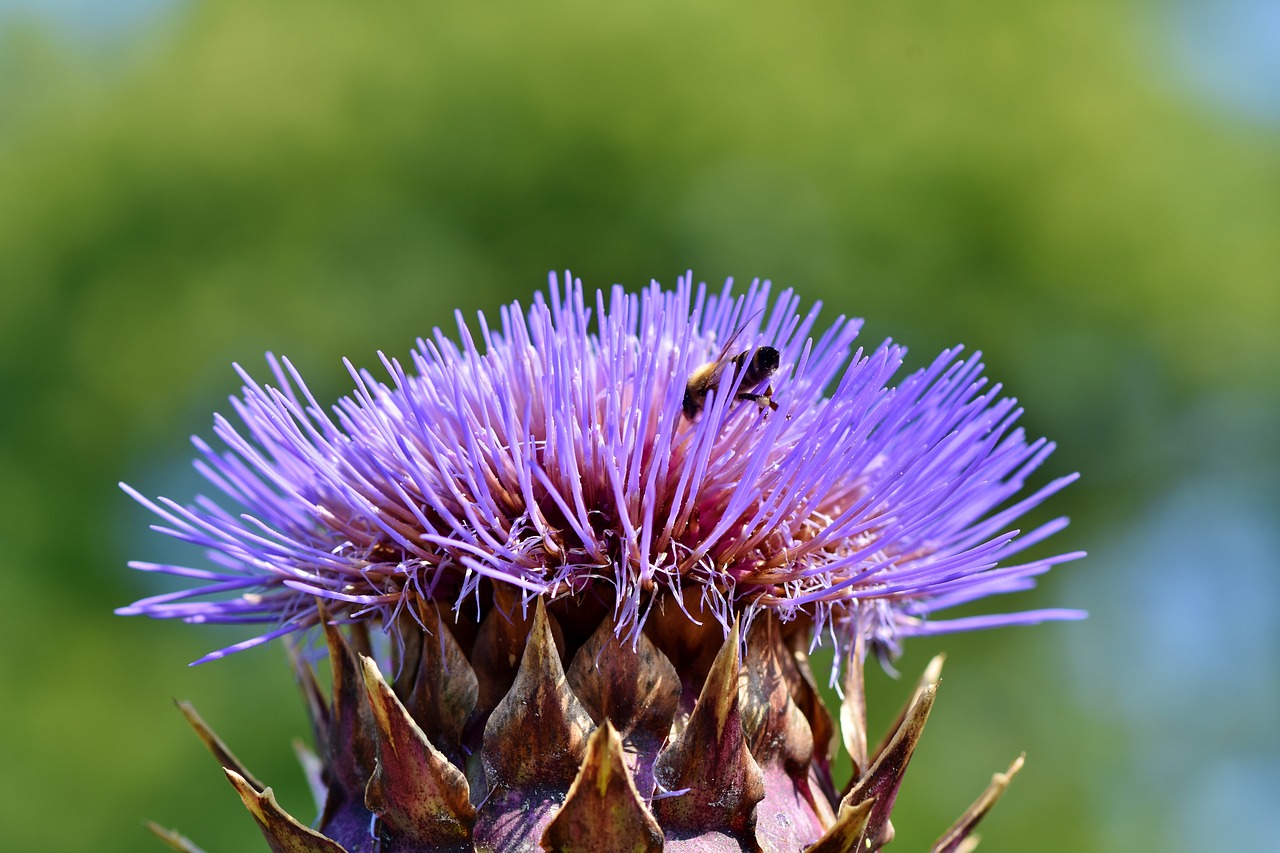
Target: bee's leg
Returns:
[761, 400]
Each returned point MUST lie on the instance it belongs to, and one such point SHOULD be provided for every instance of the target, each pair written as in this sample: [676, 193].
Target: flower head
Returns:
[712, 450]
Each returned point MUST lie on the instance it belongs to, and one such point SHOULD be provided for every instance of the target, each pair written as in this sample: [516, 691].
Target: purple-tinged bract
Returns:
[556, 454]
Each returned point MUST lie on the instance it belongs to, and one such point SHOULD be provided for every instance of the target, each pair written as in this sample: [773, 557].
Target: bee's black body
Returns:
[757, 365]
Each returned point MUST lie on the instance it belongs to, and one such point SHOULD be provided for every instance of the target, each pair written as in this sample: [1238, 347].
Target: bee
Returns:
[755, 365]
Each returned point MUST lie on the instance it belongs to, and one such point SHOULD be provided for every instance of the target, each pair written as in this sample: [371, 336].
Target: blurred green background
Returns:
[1089, 191]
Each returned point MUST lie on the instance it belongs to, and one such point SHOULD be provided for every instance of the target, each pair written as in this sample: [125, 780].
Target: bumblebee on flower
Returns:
[580, 469]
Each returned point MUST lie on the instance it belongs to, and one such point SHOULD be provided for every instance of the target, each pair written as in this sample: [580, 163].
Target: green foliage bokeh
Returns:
[327, 179]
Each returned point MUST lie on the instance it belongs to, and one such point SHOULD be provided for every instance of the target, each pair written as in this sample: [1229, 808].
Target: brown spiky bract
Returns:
[523, 735]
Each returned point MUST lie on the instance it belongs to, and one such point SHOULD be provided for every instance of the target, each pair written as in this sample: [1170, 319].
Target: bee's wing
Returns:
[737, 332]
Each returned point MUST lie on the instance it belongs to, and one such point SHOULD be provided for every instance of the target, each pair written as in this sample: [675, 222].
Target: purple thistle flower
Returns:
[557, 455]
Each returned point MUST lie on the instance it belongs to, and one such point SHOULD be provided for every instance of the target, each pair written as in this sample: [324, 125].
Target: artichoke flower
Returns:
[569, 571]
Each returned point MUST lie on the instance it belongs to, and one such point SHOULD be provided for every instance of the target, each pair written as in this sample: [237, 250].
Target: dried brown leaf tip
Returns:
[419, 797]
[283, 833]
[498, 650]
[633, 686]
[534, 744]
[959, 838]
[882, 781]
[603, 811]
[172, 838]
[441, 691]
[853, 709]
[848, 831]
[710, 763]
[211, 740]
